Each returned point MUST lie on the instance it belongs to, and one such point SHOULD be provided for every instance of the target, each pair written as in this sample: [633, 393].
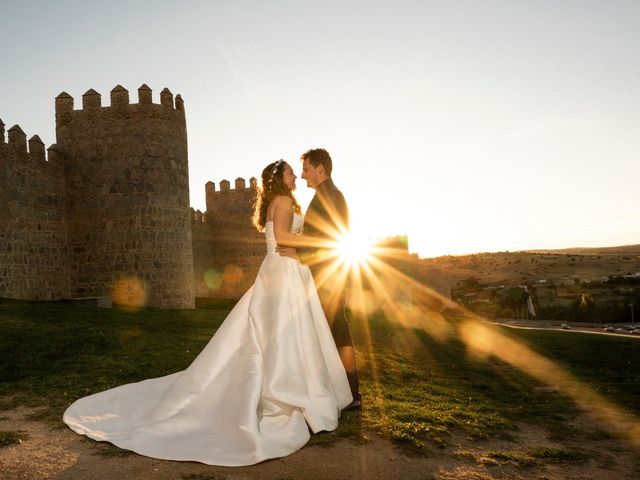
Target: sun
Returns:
[354, 249]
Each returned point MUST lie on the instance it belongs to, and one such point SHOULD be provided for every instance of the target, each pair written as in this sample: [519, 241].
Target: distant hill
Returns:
[564, 266]
[620, 250]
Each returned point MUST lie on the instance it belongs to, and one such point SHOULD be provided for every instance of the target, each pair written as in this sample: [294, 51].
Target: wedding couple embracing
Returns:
[282, 363]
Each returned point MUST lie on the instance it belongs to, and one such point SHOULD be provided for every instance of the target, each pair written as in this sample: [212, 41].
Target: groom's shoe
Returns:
[355, 404]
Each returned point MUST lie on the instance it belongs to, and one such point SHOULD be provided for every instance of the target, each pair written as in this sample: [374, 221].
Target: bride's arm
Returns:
[282, 216]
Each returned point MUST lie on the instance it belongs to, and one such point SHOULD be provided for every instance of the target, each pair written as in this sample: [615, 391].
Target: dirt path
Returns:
[57, 453]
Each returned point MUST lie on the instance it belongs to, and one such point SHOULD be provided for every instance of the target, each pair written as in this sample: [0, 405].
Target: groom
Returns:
[327, 217]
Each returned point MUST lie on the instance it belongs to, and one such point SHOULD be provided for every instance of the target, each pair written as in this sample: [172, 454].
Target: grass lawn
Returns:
[417, 390]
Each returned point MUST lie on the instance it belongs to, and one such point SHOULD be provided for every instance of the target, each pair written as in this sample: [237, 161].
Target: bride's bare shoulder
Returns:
[282, 201]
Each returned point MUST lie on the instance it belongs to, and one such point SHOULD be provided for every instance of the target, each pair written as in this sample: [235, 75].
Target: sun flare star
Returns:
[373, 276]
[354, 249]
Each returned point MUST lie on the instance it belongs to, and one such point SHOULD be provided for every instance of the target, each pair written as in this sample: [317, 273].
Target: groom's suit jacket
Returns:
[327, 218]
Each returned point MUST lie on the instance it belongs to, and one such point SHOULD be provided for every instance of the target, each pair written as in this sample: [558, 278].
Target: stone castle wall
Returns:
[33, 229]
[228, 250]
[116, 201]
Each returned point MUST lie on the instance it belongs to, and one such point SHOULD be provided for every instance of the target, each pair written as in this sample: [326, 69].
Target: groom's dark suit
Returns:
[326, 219]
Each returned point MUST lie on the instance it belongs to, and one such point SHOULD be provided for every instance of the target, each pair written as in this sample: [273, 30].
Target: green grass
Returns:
[610, 364]
[8, 437]
[560, 454]
[530, 457]
[507, 456]
[416, 390]
[52, 352]
[426, 388]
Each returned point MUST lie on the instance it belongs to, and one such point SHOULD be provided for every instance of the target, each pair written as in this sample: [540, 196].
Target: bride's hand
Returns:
[287, 252]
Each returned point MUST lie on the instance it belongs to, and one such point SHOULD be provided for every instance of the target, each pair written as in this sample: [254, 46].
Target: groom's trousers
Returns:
[334, 305]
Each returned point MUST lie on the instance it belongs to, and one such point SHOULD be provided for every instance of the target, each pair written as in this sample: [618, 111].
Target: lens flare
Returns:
[232, 274]
[213, 279]
[130, 293]
[354, 249]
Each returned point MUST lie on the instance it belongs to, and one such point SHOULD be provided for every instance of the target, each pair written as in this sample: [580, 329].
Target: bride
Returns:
[269, 374]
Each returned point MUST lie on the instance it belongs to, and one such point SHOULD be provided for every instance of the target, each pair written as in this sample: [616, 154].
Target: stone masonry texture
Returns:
[109, 204]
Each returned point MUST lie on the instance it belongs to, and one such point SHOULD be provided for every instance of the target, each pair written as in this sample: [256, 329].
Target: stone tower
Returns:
[127, 196]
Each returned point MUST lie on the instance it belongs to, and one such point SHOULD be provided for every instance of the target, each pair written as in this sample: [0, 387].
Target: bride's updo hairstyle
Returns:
[272, 186]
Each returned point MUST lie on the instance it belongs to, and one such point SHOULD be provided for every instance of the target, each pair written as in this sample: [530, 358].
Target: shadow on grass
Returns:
[421, 389]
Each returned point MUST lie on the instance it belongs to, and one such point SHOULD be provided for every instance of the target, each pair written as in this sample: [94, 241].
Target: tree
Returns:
[470, 283]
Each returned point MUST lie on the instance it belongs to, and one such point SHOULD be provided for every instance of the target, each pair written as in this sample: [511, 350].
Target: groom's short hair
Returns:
[319, 156]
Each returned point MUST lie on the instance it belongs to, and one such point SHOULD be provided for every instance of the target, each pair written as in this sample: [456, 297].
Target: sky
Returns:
[470, 126]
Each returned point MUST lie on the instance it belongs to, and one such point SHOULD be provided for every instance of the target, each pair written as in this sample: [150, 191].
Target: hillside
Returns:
[527, 267]
[598, 285]
[620, 250]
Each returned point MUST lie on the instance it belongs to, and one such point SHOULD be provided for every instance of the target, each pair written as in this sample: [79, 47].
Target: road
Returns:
[594, 330]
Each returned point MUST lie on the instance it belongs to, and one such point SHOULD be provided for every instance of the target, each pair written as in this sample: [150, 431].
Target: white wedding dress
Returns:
[269, 374]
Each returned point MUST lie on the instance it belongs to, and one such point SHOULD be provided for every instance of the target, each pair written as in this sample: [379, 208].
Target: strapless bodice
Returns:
[296, 227]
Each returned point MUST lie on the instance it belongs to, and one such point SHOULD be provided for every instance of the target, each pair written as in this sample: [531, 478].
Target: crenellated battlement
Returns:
[17, 144]
[17, 139]
[240, 184]
[120, 104]
[228, 200]
[198, 216]
[36, 148]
